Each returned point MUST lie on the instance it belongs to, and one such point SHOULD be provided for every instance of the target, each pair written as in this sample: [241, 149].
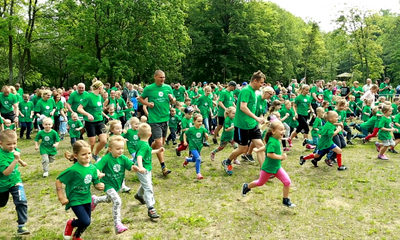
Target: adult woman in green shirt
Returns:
[92, 111]
[302, 104]
[45, 106]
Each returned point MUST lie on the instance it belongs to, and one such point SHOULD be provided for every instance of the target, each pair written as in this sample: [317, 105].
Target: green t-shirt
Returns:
[59, 106]
[194, 137]
[366, 109]
[75, 99]
[328, 96]
[133, 139]
[179, 94]
[228, 136]
[272, 165]
[20, 93]
[394, 106]
[173, 121]
[303, 104]
[129, 112]
[385, 122]
[48, 140]
[313, 90]
[7, 103]
[242, 120]
[26, 109]
[73, 125]
[261, 105]
[378, 118]
[352, 107]
[159, 96]
[120, 107]
[7, 182]
[357, 91]
[326, 133]
[114, 170]
[386, 91]
[92, 104]
[227, 99]
[185, 123]
[204, 103]
[317, 126]
[396, 120]
[369, 124]
[45, 107]
[77, 180]
[342, 118]
[35, 99]
[113, 116]
[11, 127]
[144, 150]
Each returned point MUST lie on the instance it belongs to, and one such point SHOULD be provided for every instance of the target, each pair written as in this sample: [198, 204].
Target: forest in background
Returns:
[63, 42]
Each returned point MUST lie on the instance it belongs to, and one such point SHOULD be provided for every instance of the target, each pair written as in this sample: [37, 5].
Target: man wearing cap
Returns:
[157, 97]
[226, 100]
[246, 122]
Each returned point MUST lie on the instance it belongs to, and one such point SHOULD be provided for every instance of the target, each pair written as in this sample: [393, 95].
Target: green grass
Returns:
[360, 203]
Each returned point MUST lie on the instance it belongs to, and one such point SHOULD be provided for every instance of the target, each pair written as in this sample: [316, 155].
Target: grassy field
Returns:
[360, 203]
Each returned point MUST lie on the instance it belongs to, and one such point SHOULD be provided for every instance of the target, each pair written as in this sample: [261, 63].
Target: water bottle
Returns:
[21, 192]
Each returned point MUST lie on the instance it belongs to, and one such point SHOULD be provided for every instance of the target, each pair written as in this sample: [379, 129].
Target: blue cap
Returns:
[204, 82]
[244, 83]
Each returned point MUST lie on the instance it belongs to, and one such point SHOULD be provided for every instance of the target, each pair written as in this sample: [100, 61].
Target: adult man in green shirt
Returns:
[157, 97]
[226, 100]
[9, 108]
[246, 122]
[179, 93]
[75, 100]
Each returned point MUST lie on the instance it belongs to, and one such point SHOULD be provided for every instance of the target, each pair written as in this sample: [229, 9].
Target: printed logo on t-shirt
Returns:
[190, 124]
[26, 108]
[135, 137]
[117, 168]
[205, 104]
[99, 104]
[80, 100]
[160, 94]
[5, 102]
[47, 107]
[198, 135]
[305, 100]
[172, 118]
[47, 138]
[73, 125]
[88, 179]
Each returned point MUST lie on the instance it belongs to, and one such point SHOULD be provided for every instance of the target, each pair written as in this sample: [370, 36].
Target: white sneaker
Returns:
[125, 189]
[45, 174]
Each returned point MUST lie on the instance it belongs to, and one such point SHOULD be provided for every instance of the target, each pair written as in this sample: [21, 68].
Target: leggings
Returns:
[223, 144]
[83, 213]
[195, 158]
[280, 174]
[113, 196]
[340, 142]
[303, 125]
[348, 130]
[373, 134]
[314, 141]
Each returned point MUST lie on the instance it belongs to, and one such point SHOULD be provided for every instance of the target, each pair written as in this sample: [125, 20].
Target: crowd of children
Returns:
[287, 113]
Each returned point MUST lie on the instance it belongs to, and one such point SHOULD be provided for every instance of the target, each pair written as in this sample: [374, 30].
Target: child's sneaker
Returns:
[185, 163]
[363, 140]
[383, 157]
[314, 162]
[290, 142]
[212, 156]
[227, 167]
[125, 189]
[177, 152]
[120, 228]
[76, 238]
[93, 205]
[23, 231]
[377, 146]
[342, 168]
[392, 150]
[245, 189]
[302, 161]
[286, 149]
[237, 162]
[45, 174]
[199, 176]
[165, 171]
[304, 142]
[309, 146]
[153, 213]
[68, 230]
[96, 157]
[215, 141]
[250, 157]
[349, 143]
[328, 162]
[140, 199]
[173, 143]
[287, 203]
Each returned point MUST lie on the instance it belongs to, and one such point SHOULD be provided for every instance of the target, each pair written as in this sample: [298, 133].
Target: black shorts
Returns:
[10, 116]
[140, 110]
[94, 128]
[396, 135]
[221, 121]
[159, 130]
[349, 115]
[244, 136]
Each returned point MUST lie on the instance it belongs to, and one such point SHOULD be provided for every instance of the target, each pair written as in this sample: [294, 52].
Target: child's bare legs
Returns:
[383, 150]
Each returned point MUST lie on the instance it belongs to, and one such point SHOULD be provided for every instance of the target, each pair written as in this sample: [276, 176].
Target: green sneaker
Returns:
[23, 231]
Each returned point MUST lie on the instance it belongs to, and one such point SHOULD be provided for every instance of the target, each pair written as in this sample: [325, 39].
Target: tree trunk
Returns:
[10, 46]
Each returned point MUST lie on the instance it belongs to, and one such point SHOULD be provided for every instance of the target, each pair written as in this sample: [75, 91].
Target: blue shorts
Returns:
[325, 151]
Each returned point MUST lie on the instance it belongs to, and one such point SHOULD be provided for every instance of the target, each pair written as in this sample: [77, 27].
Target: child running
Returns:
[272, 163]
[48, 146]
[317, 126]
[195, 135]
[26, 114]
[114, 164]
[385, 128]
[131, 135]
[325, 143]
[187, 122]
[10, 178]
[145, 194]
[227, 134]
[77, 180]
[75, 127]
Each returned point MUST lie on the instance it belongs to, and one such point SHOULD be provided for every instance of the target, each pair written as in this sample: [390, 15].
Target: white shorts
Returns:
[388, 142]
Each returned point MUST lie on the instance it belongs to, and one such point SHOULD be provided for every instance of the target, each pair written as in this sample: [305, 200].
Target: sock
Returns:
[228, 161]
[309, 156]
[339, 159]
[392, 148]
[21, 225]
[162, 165]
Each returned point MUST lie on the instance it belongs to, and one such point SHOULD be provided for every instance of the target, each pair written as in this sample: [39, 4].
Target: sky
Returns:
[324, 11]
